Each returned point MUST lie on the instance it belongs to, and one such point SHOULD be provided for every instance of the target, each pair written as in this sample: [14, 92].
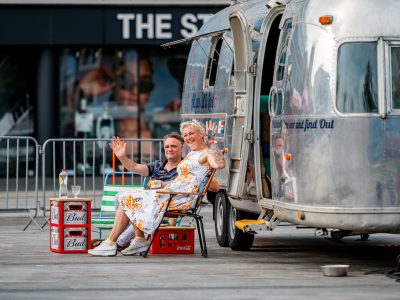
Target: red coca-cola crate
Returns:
[70, 225]
[173, 240]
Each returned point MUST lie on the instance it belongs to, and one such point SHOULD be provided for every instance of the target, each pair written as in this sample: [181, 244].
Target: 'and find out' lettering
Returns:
[311, 124]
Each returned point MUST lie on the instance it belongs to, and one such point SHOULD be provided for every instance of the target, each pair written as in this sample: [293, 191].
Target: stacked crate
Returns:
[70, 220]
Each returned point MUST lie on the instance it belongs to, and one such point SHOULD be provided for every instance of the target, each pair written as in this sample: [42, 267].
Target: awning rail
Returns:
[196, 37]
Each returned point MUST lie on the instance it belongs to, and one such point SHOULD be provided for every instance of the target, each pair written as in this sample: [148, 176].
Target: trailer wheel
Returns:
[238, 240]
[221, 206]
[211, 197]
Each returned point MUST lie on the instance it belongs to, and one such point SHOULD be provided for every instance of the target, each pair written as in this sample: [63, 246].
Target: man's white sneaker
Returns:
[135, 247]
[104, 249]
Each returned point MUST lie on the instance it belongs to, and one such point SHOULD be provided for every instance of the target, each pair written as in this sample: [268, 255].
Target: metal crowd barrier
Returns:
[19, 171]
[86, 161]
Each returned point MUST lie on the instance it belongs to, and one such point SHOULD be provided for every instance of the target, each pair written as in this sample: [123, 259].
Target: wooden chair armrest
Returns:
[175, 214]
[176, 193]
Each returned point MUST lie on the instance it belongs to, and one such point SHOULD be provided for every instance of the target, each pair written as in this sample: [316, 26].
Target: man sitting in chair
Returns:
[160, 173]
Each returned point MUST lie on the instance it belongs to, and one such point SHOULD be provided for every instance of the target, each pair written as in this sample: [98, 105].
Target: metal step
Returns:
[254, 226]
[251, 226]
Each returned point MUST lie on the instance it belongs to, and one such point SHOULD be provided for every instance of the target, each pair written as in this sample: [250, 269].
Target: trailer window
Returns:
[232, 74]
[395, 76]
[277, 100]
[283, 47]
[357, 89]
[211, 74]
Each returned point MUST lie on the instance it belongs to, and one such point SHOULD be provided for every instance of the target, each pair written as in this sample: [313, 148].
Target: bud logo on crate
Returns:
[55, 238]
[54, 213]
[75, 212]
[75, 238]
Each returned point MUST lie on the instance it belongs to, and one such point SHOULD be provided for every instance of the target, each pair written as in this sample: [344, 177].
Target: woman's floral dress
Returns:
[145, 208]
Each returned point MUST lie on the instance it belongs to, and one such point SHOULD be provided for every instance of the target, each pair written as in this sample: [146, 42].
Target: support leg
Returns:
[144, 254]
[152, 237]
[32, 220]
[202, 238]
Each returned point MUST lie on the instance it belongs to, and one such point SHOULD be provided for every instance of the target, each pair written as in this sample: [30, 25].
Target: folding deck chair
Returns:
[105, 220]
[192, 212]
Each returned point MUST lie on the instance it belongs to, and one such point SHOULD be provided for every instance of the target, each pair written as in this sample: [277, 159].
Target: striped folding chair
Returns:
[105, 219]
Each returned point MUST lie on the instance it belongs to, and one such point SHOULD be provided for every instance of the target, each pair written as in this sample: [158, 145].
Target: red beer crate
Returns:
[69, 239]
[69, 212]
[173, 240]
[70, 225]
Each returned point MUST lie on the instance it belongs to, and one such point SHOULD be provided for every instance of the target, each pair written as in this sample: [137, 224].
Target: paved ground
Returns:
[284, 264]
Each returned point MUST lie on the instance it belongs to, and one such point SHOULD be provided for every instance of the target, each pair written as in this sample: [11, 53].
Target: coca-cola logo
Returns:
[184, 248]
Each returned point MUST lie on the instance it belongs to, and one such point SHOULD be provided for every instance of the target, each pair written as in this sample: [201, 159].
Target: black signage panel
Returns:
[141, 25]
[24, 26]
[77, 26]
[99, 25]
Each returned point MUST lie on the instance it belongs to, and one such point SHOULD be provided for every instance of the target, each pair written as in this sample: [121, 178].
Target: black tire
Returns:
[364, 237]
[221, 219]
[336, 236]
[238, 240]
[211, 197]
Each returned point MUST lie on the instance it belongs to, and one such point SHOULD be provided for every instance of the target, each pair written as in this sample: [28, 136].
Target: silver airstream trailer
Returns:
[307, 98]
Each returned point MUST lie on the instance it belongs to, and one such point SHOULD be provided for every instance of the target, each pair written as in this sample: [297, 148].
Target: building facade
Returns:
[94, 68]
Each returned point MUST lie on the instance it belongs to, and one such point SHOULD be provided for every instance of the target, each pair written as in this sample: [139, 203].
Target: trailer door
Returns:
[242, 133]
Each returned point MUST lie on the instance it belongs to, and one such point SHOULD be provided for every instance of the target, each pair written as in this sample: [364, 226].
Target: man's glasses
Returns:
[126, 82]
[146, 86]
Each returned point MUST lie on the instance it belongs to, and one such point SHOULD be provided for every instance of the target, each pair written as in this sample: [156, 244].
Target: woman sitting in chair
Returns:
[145, 209]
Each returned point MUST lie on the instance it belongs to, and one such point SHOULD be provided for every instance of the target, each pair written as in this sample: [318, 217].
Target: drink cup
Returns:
[75, 190]
[172, 221]
[155, 184]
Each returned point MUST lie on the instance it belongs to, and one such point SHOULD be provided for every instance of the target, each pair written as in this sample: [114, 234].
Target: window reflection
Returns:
[357, 90]
[395, 71]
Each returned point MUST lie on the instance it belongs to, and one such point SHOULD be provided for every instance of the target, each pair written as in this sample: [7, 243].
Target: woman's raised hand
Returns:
[211, 126]
[118, 146]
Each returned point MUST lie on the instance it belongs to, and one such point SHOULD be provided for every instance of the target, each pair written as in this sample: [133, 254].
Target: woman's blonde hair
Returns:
[195, 125]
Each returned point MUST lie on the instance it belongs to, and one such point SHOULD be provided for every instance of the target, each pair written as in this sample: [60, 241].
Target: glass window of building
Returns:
[125, 92]
[16, 107]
